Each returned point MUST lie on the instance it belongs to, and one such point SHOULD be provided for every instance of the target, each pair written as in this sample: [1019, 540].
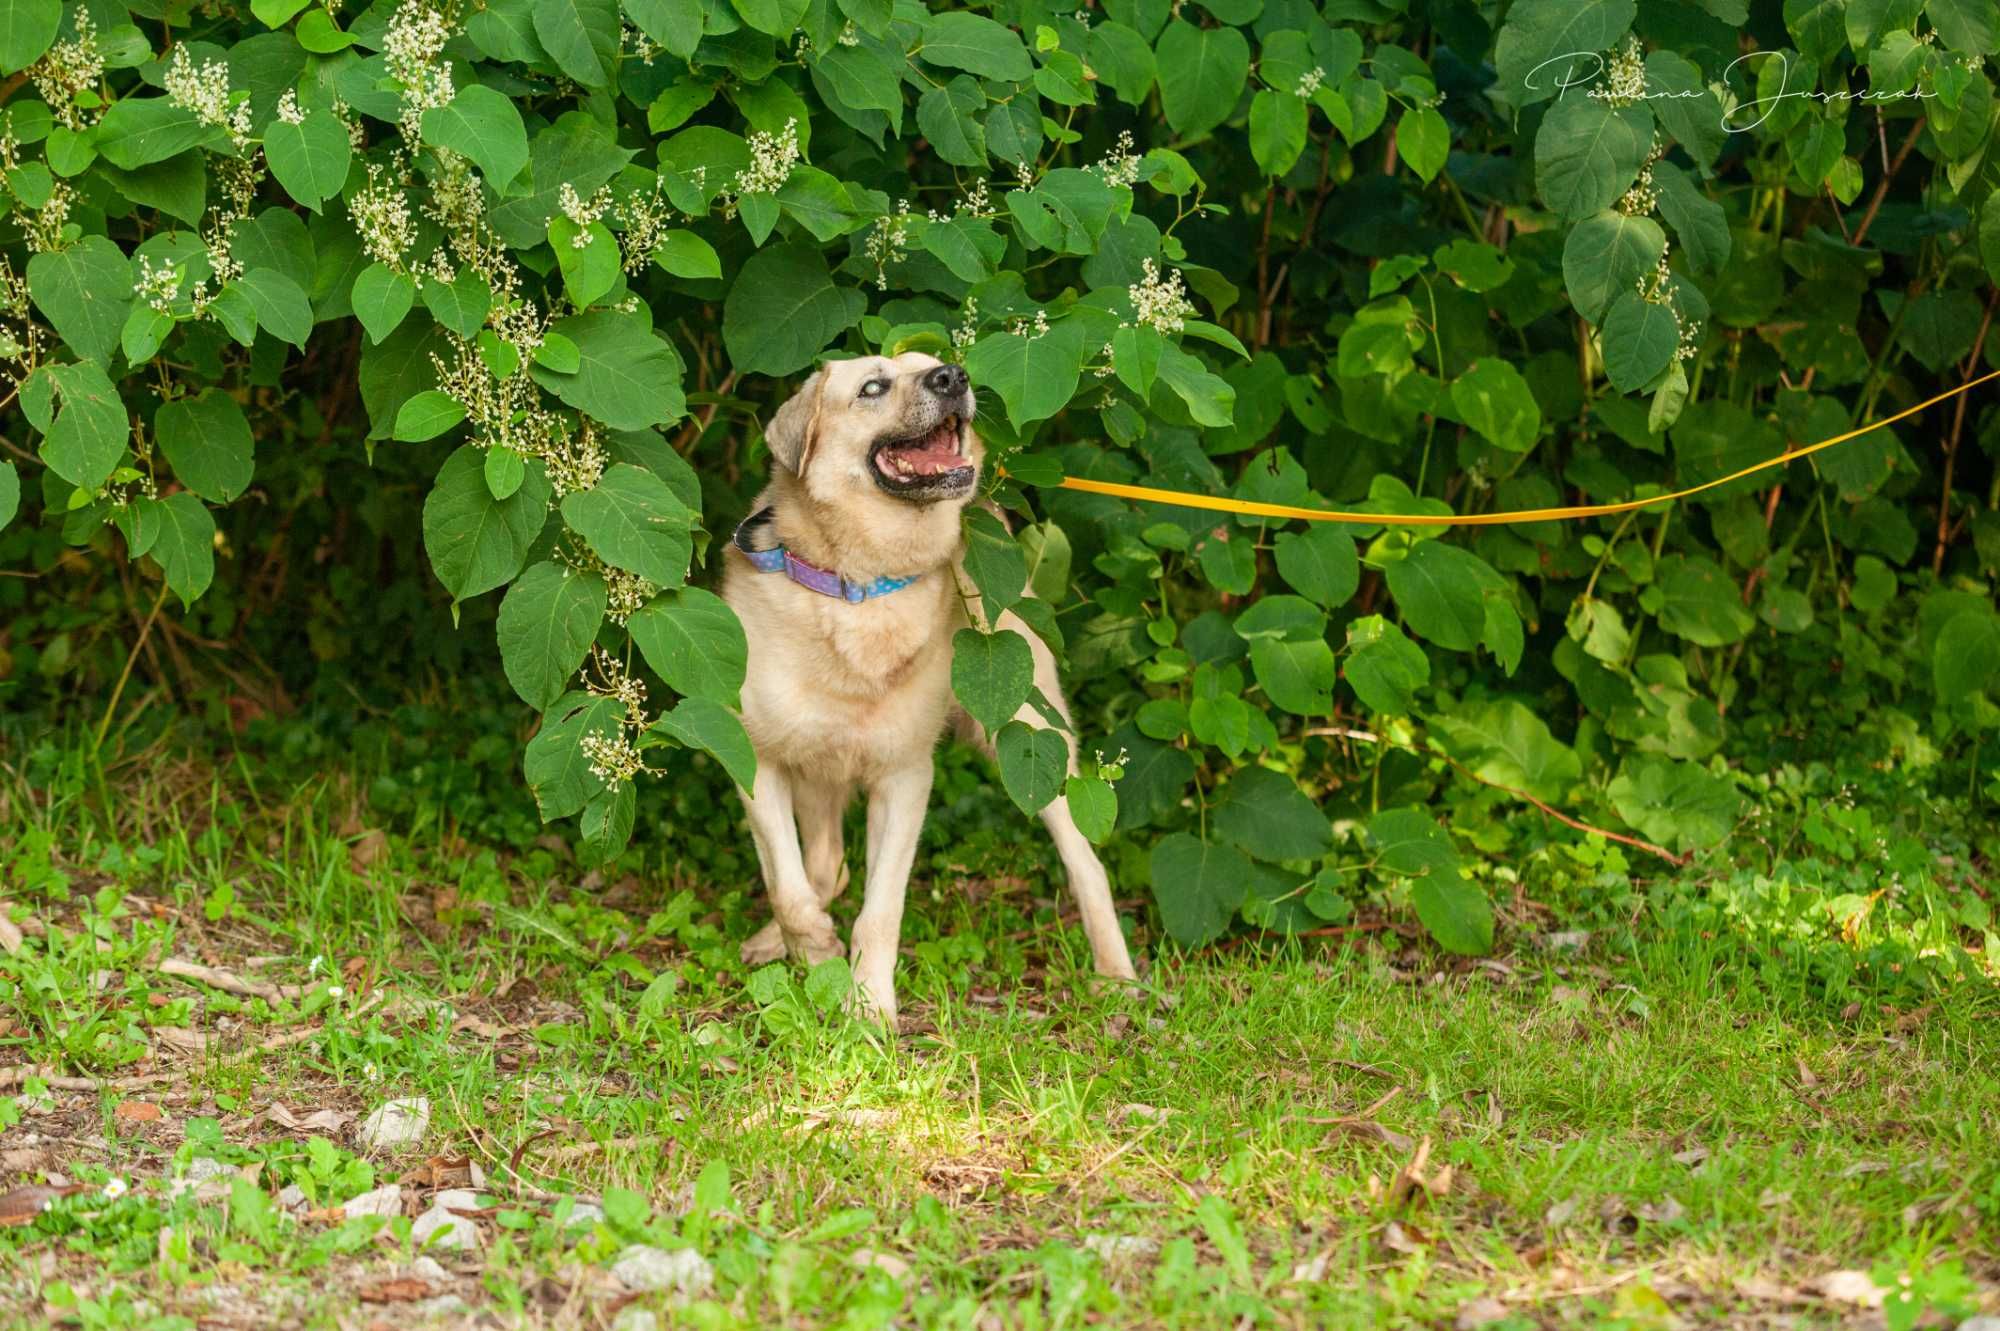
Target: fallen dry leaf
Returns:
[227, 981]
[137, 1111]
[1479, 1312]
[401, 1289]
[320, 1120]
[181, 1040]
[369, 851]
[11, 937]
[1855, 1287]
[20, 1206]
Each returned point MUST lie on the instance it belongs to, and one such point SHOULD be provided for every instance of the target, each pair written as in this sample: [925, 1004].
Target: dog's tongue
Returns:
[935, 452]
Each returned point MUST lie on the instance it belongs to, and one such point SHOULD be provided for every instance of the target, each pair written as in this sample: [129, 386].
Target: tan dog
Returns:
[850, 631]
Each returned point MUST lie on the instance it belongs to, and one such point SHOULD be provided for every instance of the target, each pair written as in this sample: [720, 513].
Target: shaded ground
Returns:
[211, 995]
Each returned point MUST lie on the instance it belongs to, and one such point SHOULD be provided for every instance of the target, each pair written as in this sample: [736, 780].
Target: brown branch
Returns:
[1951, 441]
[1882, 185]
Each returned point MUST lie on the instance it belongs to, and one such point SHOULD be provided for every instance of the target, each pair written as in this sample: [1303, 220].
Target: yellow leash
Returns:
[1186, 499]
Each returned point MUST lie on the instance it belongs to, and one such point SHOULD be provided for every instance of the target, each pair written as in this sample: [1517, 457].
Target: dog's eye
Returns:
[875, 388]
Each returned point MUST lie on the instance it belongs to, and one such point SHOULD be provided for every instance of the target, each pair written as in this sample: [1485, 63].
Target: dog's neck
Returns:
[895, 539]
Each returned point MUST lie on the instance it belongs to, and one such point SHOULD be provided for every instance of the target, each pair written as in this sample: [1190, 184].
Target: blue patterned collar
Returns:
[777, 559]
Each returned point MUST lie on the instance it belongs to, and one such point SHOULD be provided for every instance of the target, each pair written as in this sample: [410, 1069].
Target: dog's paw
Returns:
[816, 944]
[764, 947]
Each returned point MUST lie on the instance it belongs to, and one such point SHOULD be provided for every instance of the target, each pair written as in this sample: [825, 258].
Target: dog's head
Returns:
[894, 426]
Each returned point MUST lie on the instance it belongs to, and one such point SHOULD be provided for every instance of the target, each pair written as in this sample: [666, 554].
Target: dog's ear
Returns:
[794, 431]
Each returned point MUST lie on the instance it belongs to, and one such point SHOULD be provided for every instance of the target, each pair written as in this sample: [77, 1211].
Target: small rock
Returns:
[397, 1123]
[1564, 940]
[205, 1177]
[427, 1268]
[1115, 1248]
[1980, 1324]
[636, 1318]
[684, 1271]
[1856, 1287]
[292, 1197]
[862, 1259]
[439, 1228]
[383, 1201]
[443, 1306]
[584, 1213]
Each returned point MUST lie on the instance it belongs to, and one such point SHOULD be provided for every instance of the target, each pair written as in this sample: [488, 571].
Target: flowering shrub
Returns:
[1410, 259]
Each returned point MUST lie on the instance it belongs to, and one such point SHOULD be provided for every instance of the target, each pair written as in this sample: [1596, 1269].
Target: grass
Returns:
[1659, 1105]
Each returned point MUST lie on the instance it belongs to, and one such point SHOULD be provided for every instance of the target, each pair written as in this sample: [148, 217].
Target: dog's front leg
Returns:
[807, 928]
[896, 805]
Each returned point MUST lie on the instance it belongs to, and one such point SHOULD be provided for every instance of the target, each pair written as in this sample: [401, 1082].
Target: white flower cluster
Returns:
[288, 108]
[1625, 76]
[772, 157]
[887, 241]
[1022, 326]
[582, 212]
[69, 68]
[643, 48]
[1160, 303]
[647, 217]
[614, 758]
[382, 219]
[411, 48]
[1120, 166]
[848, 36]
[967, 331]
[1657, 288]
[1309, 82]
[1642, 198]
[158, 286]
[628, 592]
[204, 93]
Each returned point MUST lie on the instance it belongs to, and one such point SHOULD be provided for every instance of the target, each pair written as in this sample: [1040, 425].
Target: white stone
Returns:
[396, 1123]
[863, 1259]
[439, 1228]
[427, 1268]
[636, 1318]
[684, 1271]
[383, 1201]
[585, 1213]
[1121, 1247]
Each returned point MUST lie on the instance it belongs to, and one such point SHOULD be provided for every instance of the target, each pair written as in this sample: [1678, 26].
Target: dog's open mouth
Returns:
[929, 465]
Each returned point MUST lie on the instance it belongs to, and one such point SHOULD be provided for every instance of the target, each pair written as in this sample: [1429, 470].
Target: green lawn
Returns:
[1647, 1110]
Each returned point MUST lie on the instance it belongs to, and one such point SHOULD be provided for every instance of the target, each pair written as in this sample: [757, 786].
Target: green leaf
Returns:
[1384, 668]
[975, 43]
[1320, 563]
[505, 471]
[1093, 806]
[382, 296]
[182, 542]
[27, 30]
[588, 257]
[208, 442]
[84, 292]
[1493, 398]
[1700, 602]
[1605, 256]
[1425, 141]
[581, 36]
[548, 620]
[1033, 764]
[948, 117]
[1587, 154]
[1545, 44]
[282, 308]
[1202, 72]
[991, 674]
[635, 522]
[1966, 659]
[693, 641]
[139, 131]
[1035, 375]
[626, 376]
[1505, 743]
[1297, 676]
[784, 307]
[485, 125]
[477, 542]
[777, 17]
[685, 254]
[606, 825]
[1278, 130]
[556, 767]
[1675, 803]
[1639, 341]
[427, 415]
[1441, 590]
[89, 433]
[460, 304]
[1198, 885]
[310, 159]
[318, 33]
[10, 493]
[1267, 816]
[994, 562]
[1409, 843]
[1697, 220]
[703, 723]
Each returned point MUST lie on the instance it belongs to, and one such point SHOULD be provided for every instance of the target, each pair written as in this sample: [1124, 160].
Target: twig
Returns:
[1951, 440]
[228, 981]
[15, 1076]
[118, 689]
[1882, 185]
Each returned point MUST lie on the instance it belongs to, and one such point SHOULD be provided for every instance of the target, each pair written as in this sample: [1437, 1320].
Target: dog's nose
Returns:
[946, 381]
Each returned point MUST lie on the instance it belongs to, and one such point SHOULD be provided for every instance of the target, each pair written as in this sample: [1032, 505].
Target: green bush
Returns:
[1399, 255]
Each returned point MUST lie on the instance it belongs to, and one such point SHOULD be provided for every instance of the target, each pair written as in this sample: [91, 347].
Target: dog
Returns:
[848, 582]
